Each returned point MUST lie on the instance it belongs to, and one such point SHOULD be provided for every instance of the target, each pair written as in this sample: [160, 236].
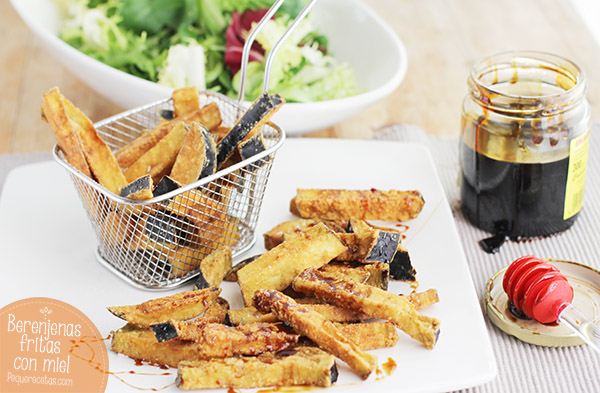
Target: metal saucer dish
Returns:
[586, 285]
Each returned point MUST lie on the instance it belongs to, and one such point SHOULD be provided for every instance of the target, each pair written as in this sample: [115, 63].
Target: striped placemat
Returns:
[523, 367]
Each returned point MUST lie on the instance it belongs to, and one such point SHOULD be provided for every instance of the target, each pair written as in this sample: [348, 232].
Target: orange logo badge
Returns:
[50, 346]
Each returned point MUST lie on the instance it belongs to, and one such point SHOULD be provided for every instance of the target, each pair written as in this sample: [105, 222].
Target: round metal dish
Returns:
[586, 285]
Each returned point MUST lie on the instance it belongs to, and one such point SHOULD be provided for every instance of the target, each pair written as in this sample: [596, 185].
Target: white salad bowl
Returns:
[356, 35]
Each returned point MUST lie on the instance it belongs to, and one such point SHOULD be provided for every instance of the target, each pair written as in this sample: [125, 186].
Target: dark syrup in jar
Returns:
[514, 199]
[523, 121]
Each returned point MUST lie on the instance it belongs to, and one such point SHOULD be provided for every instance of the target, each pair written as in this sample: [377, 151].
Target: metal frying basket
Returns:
[159, 243]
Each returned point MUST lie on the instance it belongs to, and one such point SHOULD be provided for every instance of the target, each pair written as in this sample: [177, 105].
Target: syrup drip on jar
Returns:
[515, 147]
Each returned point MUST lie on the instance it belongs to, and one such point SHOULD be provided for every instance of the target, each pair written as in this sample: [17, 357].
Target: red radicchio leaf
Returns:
[234, 39]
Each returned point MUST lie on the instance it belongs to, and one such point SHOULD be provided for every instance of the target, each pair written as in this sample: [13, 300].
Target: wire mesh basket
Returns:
[159, 243]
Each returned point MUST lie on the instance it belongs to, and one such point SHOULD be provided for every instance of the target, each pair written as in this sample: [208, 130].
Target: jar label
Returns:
[578, 153]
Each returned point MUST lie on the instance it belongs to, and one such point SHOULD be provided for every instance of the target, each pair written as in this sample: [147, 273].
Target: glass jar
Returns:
[523, 146]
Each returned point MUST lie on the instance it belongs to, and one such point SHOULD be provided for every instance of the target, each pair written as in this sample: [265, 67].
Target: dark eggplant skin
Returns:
[201, 282]
[252, 146]
[165, 185]
[334, 373]
[210, 154]
[167, 114]
[385, 248]
[167, 227]
[137, 187]
[401, 267]
[164, 331]
[257, 114]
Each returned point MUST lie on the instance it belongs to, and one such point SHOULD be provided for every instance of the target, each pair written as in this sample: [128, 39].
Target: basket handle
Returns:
[252, 37]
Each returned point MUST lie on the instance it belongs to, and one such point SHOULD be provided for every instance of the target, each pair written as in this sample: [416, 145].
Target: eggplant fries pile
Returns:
[319, 293]
[189, 143]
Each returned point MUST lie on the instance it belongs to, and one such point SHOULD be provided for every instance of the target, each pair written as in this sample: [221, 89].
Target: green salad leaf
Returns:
[210, 16]
[289, 7]
[182, 42]
[301, 72]
[151, 16]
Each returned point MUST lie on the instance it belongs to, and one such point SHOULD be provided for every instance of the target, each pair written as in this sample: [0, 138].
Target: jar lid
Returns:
[586, 286]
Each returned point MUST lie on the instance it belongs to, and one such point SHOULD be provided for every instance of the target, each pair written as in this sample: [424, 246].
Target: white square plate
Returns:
[48, 250]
